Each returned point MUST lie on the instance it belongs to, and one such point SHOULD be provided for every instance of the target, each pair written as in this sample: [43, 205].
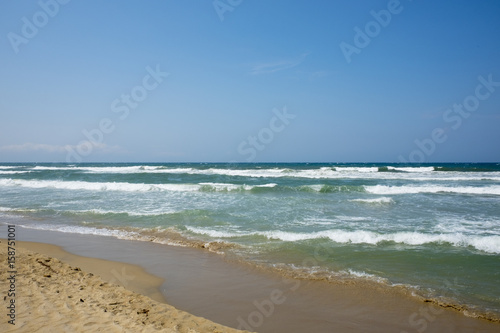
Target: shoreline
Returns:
[48, 294]
[206, 285]
[173, 239]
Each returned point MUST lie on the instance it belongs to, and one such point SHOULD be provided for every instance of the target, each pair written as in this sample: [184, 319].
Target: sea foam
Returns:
[489, 244]
[338, 172]
[128, 187]
[387, 190]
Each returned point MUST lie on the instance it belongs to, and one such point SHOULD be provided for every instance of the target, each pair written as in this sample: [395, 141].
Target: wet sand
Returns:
[54, 296]
[239, 296]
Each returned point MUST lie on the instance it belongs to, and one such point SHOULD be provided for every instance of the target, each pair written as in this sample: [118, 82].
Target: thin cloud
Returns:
[266, 68]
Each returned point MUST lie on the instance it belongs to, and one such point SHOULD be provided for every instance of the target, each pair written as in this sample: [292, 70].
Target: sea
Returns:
[430, 229]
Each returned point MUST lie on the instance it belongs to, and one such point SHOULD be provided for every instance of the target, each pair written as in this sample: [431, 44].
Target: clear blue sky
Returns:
[346, 86]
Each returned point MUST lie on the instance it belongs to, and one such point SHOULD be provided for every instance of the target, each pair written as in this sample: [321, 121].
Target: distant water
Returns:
[434, 229]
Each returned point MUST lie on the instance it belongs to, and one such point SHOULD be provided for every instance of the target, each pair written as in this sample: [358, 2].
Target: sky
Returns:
[249, 81]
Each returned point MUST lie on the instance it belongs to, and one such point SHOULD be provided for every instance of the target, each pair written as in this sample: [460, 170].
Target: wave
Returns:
[62, 168]
[489, 244]
[228, 187]
[107, 169]
[480, 168]
[320, 188]
[200, 187]
[222, 187]
[366, 276]
[10, 172]
[169, 236]
[387, 190]
[20, 210]
[382, 200]
[85, 230]
[93, 213]
[406, 169]
[130, 187]
[420, 173]
[352, 218]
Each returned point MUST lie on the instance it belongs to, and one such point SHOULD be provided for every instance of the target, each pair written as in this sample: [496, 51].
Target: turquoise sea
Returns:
[432, 229]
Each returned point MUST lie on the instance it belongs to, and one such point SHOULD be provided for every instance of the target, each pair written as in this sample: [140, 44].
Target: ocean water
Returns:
[433, 230]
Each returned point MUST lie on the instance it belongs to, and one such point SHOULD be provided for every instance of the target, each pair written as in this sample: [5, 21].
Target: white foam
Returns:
[126, 187]
[365, 275]
[417, 174]
[458, 224]
[315, 187]
[122, 169]
[93, 186]
[270, 185]
[412, 169]
[225, 187]
[351, 218]
[83, 230]
[490, 244]
[9, 172]
[127, 169]
[316, 221]
[385, 190]
[382, 200]
[139, 212]
[42, 168]
[357, 169]
[338, 172]
[19, 210]
[216, 233]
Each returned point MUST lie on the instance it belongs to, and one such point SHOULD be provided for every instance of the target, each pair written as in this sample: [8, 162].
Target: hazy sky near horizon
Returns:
[250, 81]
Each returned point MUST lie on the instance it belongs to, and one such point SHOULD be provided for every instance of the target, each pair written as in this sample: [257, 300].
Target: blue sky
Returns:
[249, 81]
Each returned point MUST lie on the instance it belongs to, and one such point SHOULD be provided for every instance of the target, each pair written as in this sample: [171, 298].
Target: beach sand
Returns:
[56, 296]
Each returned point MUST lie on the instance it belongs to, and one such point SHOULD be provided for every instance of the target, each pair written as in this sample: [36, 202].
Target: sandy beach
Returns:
[54, 296]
